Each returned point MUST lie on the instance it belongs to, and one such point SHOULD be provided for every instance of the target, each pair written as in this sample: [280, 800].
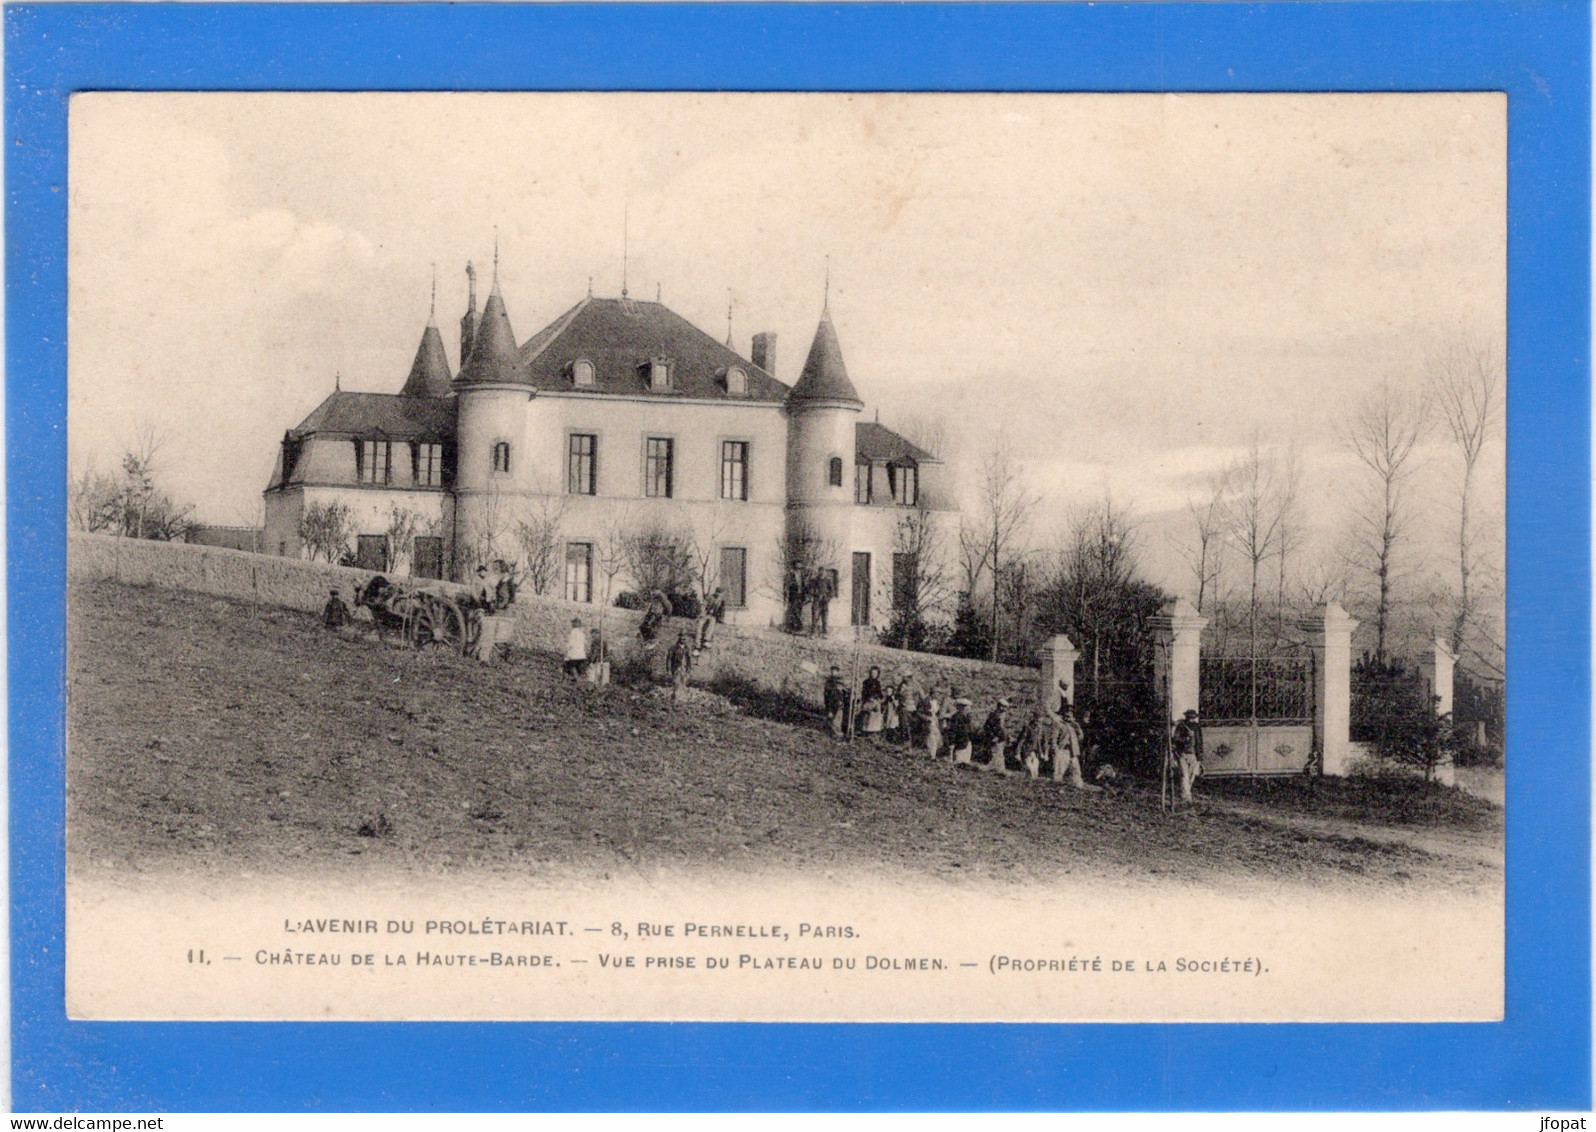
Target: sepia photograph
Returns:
[802, 556]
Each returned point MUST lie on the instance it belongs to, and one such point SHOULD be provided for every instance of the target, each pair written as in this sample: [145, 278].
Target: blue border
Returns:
[1538, 52]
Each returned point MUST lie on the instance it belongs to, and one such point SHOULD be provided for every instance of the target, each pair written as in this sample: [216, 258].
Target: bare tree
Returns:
[1001, 522]
[1205, 554]
[325, 530]
[1383, 433]
[704, 530]
[1466, 382]
[925, 593]
[1256, 501]
[928, 432]
[403, 525]
[1096, 569]
[537, 533]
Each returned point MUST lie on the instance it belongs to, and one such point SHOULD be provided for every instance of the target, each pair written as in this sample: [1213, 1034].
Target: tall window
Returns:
[428, 465]
[905, 484]
[734, 576]
[861, 483]
[375, 461]
[581, 471]
[657, 468]
[501, 457]
[578, 571]
[734, 469]
[834, 472]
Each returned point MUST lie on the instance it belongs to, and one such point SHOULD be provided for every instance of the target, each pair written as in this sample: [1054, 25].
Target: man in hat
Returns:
[335, 614]
[714, 613]
[1071, 749]
[960, 732]
[995, 734]
[836, 700]
[1187, 746]
[487, 624]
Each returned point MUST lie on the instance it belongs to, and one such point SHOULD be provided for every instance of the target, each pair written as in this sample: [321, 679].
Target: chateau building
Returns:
[617, 421]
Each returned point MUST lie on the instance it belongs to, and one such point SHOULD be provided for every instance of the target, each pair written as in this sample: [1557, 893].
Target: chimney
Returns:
[763, 354]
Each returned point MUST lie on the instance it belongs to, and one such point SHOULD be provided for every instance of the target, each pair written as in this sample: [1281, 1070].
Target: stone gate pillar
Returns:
[1177, 662]
[1329, 631]
[1058, 667]
[1439, 670]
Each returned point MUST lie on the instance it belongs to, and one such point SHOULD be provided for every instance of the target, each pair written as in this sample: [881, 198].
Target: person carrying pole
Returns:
[1186, 751]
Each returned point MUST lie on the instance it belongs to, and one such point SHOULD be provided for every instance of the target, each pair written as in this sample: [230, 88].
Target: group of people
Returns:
[811, 590]
[942, 727]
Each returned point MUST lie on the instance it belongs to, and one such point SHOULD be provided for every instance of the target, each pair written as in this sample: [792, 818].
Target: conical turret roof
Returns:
[825, 377]
[429, 374]
[493, 353]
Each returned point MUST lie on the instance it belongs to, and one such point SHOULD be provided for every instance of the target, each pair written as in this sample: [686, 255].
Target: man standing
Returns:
[821, 593]
[836, 700]
[1071, 746]
[995, 733]
[961, 731]
[714, 613]
[487, 625]
[1187, 746]
[680, 661]
[576, 650]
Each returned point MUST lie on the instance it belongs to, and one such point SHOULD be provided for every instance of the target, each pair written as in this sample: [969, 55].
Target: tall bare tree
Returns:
[1466, 381]
[1204, 555]
[1096, 569]
[1384, 432]
[1257, 499]
[537, 533]
[1000, 524]
[925, 594]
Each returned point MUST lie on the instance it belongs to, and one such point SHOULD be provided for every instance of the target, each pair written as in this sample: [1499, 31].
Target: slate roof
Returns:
[380, 414]
[878, 442]
[429, 373]
[620, 337]
[493, 353]
[824, 376]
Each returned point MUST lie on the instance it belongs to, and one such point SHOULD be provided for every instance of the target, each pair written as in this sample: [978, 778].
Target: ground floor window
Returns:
[426, 559]
[734, 576]
[371, 552]
[579, 571]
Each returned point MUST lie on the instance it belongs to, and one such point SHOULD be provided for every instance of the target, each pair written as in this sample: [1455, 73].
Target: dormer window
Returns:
[905, 484]
[737, 381]
[659, 373]
[582, 373]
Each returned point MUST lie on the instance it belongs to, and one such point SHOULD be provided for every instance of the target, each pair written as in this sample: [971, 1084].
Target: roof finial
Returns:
[825, 302]
[659, 291]
[432, 311]
[728, 316]
[495, 257]
[338, 381]
[626, 224]
[590, 286]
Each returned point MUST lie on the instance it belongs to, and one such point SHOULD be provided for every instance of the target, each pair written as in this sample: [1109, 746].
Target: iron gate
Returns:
[1257, 715]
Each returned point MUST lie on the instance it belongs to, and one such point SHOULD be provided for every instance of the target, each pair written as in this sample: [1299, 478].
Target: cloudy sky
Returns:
[1130, 287]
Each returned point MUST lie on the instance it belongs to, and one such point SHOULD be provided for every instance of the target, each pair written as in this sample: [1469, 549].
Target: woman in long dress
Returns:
[931, 709]
[872, 704]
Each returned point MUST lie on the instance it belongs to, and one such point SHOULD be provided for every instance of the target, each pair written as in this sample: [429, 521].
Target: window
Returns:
[374, 461]
[734, 576]
[737, 381]
[582, 372]
[734, 469]
[371, 552]
[501, 457]
[426, 557]
[581, 471]
[657, 468]
[579, 571]
[834, 473]
[659, 373]
[428, 465]
[905, 484]
[861, 483]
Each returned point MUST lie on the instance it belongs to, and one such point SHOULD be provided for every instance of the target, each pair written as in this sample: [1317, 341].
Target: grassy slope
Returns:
[202, 737]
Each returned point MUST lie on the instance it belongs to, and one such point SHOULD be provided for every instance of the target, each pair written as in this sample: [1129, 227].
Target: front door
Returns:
[861, 587]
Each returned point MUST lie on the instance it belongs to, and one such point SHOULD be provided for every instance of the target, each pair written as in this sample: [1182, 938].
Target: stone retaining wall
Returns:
[772, 660]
